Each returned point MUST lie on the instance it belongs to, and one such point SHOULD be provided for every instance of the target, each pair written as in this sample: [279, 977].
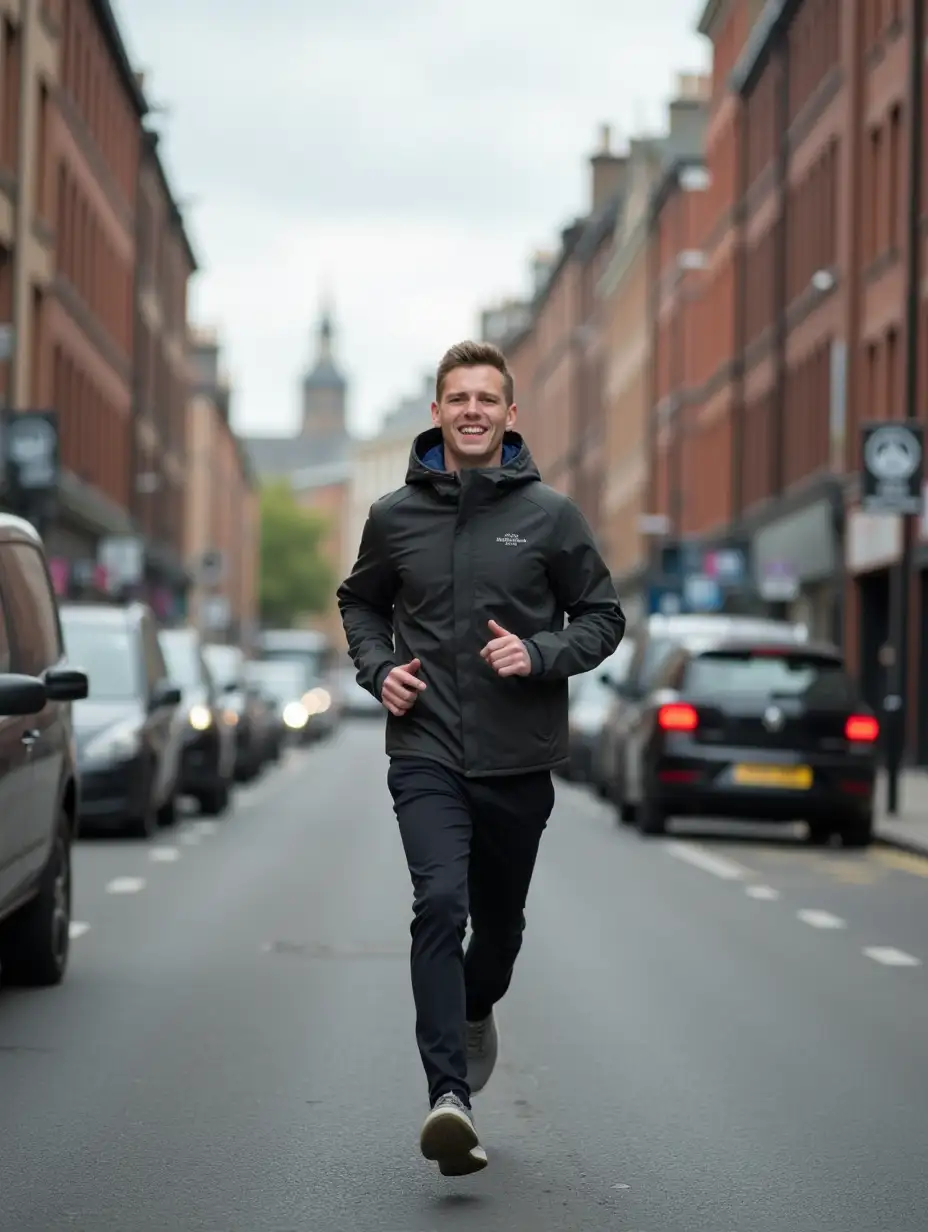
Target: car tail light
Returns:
[862, 729]
[677, 717]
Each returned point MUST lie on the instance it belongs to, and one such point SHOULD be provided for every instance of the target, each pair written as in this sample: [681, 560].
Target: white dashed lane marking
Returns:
[763, 893]
[125, 885]
[718, 866]
[820, 919]
[730, 870]
[77, 928]
[164, 855]
[890, 957]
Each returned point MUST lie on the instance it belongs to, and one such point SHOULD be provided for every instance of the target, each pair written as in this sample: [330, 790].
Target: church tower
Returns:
[325, 389]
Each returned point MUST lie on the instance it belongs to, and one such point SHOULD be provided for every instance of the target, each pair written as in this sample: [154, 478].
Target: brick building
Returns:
[555, 355]
[85, 321]
[165, 264]
[221, 512]
[803, 292]
[69, 150]
[625, 347]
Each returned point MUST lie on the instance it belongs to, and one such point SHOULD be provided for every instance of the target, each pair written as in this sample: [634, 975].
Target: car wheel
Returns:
[167, 814]
[35, 943]
[819, 833]
[652, 820]
[146, 826]
[215, 801]
[858, 832]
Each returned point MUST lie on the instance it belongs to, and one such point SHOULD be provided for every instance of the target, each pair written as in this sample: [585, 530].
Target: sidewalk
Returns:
[910, 828]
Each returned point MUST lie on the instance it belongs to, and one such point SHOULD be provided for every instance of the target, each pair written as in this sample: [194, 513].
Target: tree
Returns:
[295, 579]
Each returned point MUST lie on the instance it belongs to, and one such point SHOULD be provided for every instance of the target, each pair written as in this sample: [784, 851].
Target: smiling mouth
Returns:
[472, 430]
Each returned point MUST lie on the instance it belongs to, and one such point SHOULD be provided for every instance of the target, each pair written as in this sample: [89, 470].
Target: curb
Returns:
[912, 846]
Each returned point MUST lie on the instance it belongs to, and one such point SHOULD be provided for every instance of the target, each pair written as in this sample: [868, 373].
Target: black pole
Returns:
[897, 702]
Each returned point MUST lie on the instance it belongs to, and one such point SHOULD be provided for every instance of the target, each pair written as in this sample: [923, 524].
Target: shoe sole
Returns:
[475, 1161]
[449, 1139]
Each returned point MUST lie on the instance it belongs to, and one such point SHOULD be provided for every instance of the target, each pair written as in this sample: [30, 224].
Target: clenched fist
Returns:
[401, 688]
[506, 653]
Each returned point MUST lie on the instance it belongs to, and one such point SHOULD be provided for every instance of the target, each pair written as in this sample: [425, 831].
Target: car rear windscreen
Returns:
[813, 679]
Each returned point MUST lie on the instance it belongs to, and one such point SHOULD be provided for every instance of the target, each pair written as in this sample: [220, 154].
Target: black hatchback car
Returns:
[206, 723]
[753, 729]
[127, 746]
[39, 781]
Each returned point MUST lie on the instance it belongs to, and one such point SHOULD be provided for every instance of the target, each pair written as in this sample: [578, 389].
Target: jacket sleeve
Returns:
[365, 602]
[584, 589]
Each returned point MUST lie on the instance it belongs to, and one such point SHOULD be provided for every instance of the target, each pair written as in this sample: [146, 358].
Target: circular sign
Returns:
[892, 454]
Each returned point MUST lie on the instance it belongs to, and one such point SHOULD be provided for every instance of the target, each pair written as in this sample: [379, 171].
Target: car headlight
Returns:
[317, 701]
[295, 715]
[200, 718]
[116, 743]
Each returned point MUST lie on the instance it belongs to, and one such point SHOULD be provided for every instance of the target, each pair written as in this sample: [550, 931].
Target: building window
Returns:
[894, 180]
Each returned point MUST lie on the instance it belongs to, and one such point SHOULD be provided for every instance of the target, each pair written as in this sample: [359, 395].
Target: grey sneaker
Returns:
[482, 1051]
[450, 1138]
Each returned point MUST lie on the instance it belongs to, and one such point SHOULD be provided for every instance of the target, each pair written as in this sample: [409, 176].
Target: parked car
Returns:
[590, 697]
[754, 728]
[127, 747]
[245, 708]
[39, 780]
[654, 638]
[284, 681]
[208, 727]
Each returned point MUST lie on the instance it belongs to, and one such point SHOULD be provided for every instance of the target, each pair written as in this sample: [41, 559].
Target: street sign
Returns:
[893, 467]
[31, 448]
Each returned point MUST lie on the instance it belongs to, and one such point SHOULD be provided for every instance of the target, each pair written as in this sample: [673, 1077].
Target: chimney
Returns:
[607, 171]
[688, 115]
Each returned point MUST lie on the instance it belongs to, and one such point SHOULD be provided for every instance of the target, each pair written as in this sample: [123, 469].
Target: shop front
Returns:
[798, 567]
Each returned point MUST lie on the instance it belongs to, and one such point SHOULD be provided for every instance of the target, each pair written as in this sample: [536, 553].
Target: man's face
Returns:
[473, 416]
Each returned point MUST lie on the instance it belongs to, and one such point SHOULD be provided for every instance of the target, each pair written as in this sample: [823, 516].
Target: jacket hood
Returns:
[427, 462]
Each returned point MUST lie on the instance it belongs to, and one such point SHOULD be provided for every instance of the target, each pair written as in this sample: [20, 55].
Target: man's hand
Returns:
[506, 653]
[401, 687]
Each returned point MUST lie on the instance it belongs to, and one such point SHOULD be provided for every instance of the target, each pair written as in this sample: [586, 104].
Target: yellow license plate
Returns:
[797, 778]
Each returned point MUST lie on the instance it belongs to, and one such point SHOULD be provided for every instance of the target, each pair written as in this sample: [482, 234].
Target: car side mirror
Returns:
[66, 684]
[22, 695]
[165, 693]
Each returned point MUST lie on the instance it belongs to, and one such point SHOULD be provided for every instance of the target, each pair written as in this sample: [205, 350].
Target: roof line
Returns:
[113, 36]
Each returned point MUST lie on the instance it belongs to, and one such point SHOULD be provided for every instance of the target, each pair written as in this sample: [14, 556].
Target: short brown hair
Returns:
[474, 355]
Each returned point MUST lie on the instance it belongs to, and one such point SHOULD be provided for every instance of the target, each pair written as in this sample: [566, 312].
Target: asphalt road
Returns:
[703, 1035]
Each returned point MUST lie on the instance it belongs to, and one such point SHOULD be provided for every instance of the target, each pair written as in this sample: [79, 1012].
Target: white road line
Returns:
[890, 957]
[164, 855]
[764, 893]
[77, 929]
[820, 919]
[718, 866]
[125, 885]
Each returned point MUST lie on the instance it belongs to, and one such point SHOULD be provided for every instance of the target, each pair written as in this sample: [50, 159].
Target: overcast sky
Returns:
[407, 154]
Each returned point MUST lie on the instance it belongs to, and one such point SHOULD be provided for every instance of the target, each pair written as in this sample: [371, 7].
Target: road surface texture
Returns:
[704, 1035]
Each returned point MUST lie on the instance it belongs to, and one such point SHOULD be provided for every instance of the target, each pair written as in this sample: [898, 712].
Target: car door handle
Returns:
[29, 738]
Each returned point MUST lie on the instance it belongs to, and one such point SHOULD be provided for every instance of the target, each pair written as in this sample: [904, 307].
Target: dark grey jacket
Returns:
[442, 556]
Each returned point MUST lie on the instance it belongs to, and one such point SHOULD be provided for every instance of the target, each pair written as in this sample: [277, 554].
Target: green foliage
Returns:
[296, 579]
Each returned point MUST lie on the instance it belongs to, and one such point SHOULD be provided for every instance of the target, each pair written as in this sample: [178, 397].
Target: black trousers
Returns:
[470, 845]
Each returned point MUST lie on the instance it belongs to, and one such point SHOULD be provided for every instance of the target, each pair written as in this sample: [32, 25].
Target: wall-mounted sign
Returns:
[893, 467]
